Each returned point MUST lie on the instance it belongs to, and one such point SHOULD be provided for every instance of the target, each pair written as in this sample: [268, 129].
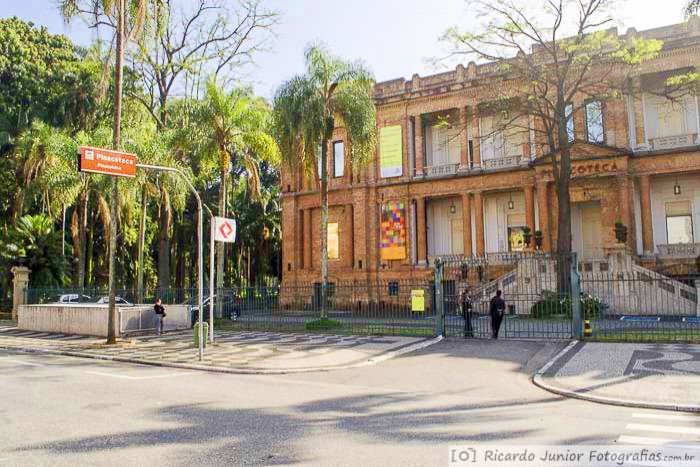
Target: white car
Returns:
[118, 300]
[72, 298]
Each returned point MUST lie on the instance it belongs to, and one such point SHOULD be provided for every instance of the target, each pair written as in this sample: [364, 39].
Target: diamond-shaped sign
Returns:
[224, 230]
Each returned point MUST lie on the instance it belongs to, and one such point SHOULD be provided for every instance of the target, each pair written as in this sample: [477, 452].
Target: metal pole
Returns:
[200, 250]
[211, 282]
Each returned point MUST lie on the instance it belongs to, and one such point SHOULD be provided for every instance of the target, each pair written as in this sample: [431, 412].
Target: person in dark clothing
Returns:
[466, 303]
[160, 315]
[497, 309]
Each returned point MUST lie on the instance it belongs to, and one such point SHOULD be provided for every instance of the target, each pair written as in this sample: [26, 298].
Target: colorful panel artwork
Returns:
[393, 231]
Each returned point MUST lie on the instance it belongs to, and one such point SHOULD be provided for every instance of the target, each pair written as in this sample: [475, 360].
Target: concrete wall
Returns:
[91, 320]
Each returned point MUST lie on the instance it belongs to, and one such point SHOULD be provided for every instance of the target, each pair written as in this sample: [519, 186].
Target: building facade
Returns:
[446, 179]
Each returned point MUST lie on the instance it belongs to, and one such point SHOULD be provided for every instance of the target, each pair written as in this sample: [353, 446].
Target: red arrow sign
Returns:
[224, 230]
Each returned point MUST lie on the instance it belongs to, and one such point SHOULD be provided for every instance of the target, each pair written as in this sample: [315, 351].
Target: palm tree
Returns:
[122, 14]
[306, 109]
[36, 243]
[236, 134]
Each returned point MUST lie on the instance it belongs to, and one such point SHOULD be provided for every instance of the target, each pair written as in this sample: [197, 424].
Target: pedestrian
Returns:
[160, 315]
[466, 302]
[497, 309]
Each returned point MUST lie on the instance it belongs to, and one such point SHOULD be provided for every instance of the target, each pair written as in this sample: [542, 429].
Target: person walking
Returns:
[497, 309]
[466, 303]
[160, 315]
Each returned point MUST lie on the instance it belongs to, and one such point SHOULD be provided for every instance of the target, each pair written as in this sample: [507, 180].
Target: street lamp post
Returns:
[200, 231]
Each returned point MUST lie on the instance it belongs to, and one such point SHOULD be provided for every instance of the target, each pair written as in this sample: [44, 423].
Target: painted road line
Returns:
[681, 430]
[134, 378]
[20, 362]
[666, 416]
[639, 440]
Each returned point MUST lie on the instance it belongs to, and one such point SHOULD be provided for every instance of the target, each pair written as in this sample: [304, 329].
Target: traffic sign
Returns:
[224, 230]
[107, 162]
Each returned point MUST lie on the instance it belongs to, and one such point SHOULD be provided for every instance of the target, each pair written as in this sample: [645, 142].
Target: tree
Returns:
[185, 44]
[306, 110]
[36, 244]
[692, 7]
[120, 16]
[236, 135]
[552, 56]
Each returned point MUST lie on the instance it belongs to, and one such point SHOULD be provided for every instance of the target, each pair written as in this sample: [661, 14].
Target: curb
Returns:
[239, 371]
[540, 378]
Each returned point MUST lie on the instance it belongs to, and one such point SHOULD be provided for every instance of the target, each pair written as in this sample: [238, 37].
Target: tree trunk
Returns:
[563, 181]
[90, 249]
[82, 238]
[324, 228]
[141, 244]
[165, 224]
[116, 142]
[75, 238]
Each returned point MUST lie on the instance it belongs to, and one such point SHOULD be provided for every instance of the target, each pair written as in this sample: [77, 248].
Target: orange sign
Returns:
[588, 169]
[105, 161]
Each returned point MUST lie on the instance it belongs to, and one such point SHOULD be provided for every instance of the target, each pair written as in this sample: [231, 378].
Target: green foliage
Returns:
[42, 76]
[553, 305]
[35, 243]
[307, 105]
[323, 324]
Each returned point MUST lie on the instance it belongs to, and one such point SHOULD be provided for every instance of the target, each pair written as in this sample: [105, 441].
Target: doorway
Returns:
[587, 230]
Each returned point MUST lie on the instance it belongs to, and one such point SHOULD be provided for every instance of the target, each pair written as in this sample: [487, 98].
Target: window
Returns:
[445, 145]
[595, 131]
[338, 159]
[333, 241]
[570, 122]
[679, 222]
[393, 289]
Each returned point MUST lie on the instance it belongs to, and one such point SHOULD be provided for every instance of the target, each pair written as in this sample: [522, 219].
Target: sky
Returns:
[395, 38]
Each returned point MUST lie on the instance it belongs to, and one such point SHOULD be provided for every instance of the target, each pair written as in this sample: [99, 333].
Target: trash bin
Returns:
[205, 333]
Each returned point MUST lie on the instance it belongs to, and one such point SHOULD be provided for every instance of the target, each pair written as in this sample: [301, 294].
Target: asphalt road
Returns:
[57, 411]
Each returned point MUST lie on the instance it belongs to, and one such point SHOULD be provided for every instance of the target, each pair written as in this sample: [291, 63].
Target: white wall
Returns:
[662, 192]
[496, 221]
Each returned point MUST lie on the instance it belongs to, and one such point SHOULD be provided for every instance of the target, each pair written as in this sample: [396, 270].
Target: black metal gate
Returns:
[536, 288]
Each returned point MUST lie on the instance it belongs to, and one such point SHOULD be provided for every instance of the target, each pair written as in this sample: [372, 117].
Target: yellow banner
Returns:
[390, 151]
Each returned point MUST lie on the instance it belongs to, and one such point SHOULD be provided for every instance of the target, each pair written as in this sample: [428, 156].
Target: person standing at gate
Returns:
[160, 315]
[466, 302]
[497, 309]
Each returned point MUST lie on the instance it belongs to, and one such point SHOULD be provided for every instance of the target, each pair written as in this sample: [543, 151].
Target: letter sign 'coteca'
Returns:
[107, 162]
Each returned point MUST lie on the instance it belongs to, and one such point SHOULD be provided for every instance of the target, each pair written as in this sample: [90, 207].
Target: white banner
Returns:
[224, 230]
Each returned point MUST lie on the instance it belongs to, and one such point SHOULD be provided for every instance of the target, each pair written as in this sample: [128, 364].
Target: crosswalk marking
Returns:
[656, 442]
[666, 416]
[682, 430]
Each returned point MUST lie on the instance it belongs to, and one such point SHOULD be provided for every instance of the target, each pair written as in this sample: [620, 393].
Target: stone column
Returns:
[467, 223]
[476, 146]
[479, 223]
[307, 240]
[623, 184]
[543, 209]
[529, 191]
[647, 228]
[421, 237]
[420, 149]
[20, 282]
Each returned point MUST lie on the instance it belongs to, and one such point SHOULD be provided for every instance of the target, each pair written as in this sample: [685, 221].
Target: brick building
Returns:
[450, 190]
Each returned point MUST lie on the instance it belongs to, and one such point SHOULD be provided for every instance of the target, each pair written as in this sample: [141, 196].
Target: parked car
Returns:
[231, 307]
[69, 298]
[120, 301]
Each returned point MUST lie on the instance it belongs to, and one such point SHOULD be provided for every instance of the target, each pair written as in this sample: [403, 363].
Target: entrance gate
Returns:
[537, 289]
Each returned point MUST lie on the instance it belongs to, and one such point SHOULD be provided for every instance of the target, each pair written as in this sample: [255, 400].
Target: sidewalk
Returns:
[232, 352]
[660, 376]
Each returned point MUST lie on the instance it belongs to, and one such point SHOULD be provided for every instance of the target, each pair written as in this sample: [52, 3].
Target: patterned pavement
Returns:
[247, 350]
[636, 374]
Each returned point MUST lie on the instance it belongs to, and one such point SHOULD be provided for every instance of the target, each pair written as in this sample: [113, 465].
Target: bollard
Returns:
[205, 333]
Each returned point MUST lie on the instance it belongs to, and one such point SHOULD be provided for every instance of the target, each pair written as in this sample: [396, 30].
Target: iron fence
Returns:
[546, 296]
